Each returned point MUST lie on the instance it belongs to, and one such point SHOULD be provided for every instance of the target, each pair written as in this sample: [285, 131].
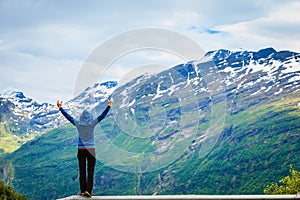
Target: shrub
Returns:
[287, 185]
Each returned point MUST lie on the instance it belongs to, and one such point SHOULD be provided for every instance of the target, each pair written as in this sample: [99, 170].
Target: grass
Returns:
[11, 143]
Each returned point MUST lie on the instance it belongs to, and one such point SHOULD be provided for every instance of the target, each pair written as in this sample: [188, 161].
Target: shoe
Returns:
[87, 194]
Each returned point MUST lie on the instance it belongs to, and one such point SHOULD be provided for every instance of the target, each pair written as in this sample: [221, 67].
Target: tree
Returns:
[7, 193]
[287, 185]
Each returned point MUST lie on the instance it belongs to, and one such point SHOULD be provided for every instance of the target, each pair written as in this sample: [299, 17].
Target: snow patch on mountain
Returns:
[266, 72]
[29, 116]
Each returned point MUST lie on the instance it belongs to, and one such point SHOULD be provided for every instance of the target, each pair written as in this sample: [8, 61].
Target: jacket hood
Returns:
[86, 117]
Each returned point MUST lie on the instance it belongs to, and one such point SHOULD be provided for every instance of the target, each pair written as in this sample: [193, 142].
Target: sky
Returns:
[45, 43]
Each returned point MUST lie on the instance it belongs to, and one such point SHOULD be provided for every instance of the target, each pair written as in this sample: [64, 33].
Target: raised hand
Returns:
[59, 103]
[110, 102]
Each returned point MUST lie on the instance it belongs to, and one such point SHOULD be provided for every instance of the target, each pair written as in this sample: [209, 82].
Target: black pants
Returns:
[86, 182]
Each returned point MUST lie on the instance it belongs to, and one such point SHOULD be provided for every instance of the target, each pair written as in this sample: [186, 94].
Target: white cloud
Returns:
[44, 43]
[48, 80]
[137, 59]
[52, 40]
[279, 29]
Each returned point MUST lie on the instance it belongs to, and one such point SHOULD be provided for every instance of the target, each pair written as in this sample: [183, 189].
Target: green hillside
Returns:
[256, 147]
[253, 152]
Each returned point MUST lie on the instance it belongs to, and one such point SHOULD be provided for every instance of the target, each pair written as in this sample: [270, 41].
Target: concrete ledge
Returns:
[188, 197]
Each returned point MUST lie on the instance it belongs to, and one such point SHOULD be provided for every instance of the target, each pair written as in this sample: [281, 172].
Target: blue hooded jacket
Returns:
[85, 127]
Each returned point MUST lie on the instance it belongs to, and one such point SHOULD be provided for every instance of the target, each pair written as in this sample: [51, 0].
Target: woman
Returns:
[86, 145]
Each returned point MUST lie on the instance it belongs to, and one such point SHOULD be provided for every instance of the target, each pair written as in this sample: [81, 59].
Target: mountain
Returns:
[22, 118]
[226, 124]
[25, 114]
